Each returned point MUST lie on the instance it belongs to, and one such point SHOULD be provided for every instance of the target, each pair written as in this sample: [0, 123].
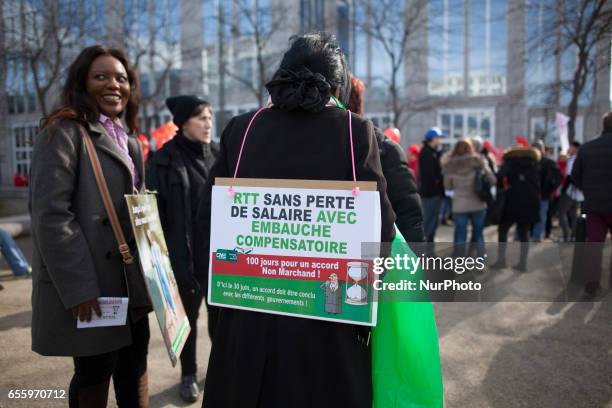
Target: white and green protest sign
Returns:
[157, 270]
[293, 247]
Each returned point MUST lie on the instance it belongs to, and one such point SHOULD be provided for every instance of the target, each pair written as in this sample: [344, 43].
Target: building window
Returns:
[458, 123]
[343, 34]
[541, 63]
[446, 27]
[23, 138]
[487, 47]
[467, 47]
[312, 15]
[550, 70]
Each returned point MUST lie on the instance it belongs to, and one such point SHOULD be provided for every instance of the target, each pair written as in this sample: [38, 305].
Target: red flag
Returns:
[146, 146]
[521, 141]
[163, 134]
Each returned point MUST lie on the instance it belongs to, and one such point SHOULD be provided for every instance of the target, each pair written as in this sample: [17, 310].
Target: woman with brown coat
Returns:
[460, 170]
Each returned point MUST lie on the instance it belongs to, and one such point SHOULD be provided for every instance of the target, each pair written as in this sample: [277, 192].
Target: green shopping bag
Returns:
[406, 369]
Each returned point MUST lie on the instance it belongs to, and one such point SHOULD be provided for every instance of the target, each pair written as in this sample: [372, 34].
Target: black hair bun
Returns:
[304, 89]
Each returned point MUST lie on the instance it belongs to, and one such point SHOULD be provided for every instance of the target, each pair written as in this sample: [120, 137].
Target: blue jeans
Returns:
[477, 219]
[431, 216]
[13, 255]
[538, 229]
[446, 208]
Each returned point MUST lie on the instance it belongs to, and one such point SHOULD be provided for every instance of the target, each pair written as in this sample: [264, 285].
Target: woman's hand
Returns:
[83, 311]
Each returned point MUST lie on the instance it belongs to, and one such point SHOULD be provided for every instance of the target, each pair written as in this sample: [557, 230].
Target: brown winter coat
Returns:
[459, 174]
[75, 252]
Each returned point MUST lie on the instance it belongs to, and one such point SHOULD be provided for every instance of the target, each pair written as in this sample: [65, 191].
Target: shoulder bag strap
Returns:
[124, 249]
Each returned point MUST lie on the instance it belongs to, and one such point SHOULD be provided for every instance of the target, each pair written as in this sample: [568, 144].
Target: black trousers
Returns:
[125, 365]
[191, 302]
[504, 227]
[523, 233]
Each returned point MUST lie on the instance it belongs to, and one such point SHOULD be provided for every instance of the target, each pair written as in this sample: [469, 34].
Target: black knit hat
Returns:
[182, 107]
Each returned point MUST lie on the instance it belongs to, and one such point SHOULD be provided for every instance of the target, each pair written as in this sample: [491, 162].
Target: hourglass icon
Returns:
[357, 292]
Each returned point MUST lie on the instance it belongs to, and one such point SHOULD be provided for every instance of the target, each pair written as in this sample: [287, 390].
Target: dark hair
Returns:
[77, 104]
[607, 122]
[200, 108]
[576, 144]
[311, 71]
[355, 102]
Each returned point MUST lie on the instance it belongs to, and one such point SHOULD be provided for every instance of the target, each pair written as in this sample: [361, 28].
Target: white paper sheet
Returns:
[114, 313]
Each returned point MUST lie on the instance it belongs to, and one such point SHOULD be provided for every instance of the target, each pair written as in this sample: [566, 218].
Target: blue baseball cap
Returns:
[432, 133]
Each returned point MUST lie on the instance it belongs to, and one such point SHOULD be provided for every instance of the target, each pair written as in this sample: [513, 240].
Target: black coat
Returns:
[592, 173]
[431, 181]
[401, 189]
[550, 177]
[167, 175]
[520, 172]
[265, 360]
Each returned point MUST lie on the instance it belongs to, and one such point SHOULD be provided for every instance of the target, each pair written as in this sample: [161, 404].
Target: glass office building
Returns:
[471, 67]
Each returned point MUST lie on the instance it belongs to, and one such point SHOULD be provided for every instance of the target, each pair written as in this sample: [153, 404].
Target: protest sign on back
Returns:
[293, 247]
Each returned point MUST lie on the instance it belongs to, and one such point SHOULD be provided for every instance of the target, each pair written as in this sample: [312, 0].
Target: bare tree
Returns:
[41, 37]
[154, 50]
[392, 25]
[582, 29]
[253, 26]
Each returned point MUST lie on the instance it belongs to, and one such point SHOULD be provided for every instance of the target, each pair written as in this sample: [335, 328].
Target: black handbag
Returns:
[495, 210]
[482, 187]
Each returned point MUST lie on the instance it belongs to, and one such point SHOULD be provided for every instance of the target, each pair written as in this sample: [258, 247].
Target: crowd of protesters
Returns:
[263, 359]
[526, 188]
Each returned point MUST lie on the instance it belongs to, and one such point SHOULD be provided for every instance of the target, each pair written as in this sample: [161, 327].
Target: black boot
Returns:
[522, 265]
[189, 388]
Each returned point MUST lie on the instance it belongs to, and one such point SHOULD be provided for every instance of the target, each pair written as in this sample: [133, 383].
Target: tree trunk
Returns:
[572, 111]
[395, 102]
[41, 93]
[261, 68]
[578, 83]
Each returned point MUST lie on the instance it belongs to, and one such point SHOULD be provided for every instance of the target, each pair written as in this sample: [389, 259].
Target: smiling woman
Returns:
[100, 81]
[76, 256]
[107, 82]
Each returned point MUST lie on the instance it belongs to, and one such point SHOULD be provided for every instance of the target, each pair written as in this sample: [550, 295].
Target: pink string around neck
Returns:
[230, 189]
[244, 138]
[355, 191]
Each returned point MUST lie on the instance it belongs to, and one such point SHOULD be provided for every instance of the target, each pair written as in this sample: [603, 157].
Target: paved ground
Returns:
[493, 354]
